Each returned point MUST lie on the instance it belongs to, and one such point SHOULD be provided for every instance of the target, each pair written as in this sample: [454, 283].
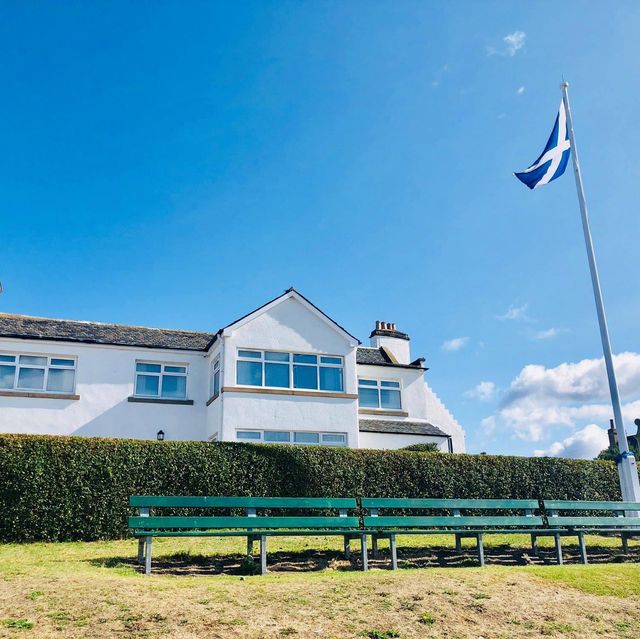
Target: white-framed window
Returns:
[156, 379]
[274, 369]
[379, 393]
[214, 378]
[301, 437]
[44, 373]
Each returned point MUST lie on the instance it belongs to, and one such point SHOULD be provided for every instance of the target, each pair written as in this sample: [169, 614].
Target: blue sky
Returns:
[177, 164]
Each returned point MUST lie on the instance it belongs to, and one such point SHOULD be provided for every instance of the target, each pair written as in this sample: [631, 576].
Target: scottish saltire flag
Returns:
[553, 161]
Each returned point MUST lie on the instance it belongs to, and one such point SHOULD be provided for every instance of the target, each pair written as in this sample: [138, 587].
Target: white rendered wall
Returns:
[104, 381]
[438, 415]
[290, 327]
[387, 441]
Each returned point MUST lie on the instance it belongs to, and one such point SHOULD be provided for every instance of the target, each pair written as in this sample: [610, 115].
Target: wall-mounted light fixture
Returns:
[160, 436]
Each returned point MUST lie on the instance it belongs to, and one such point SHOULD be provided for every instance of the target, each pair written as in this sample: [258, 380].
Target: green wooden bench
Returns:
[252, 524]
[454, 516]
[577, 518]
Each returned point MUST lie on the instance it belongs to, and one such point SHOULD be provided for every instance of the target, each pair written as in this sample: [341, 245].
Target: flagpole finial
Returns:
[564, 85]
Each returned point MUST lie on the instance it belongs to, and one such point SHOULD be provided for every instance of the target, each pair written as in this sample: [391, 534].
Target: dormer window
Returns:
[375, 393]
[275, 369]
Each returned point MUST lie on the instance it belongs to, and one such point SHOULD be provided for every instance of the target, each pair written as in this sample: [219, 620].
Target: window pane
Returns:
[368, 397]
[306, 438]
[7, 358]
[31, 378]
[174, 386]
[276, 436]
[55, 361]
[390, 398]
[147, 385]
[367, 382]
[60, 380]
[249, 373]
[252, 354]
[331, 379]
[331, 360]
[334, 438]
[175, 369]
[248, 434]
[276, 375]
[7, 375]
[216, 383]
[305, 377]
[306, 359]
[32, 360]
[276, 357]
[148, 368]
[390, 384]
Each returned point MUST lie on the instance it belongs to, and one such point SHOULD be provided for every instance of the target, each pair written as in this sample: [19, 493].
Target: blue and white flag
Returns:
[553, 161]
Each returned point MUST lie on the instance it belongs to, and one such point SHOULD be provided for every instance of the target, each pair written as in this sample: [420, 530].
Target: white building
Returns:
[284, 373]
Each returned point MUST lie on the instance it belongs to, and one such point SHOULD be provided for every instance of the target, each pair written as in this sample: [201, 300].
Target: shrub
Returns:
[431, 447]
[77, 488]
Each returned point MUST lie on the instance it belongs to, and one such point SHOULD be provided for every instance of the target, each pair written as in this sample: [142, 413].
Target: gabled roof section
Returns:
[62, 330]
[291, 293]
[371, 356]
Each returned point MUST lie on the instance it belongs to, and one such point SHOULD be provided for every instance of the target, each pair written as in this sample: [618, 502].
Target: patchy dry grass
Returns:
[79, 590]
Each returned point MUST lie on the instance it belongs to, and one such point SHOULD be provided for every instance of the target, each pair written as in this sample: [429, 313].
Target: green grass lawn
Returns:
[75, 590]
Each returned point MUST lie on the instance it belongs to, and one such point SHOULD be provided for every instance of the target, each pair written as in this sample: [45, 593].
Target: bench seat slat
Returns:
[177, 501]
[355, 532]
[591, 505]
[480, 504]
[614, 522]
[454, 522]
[242, 522]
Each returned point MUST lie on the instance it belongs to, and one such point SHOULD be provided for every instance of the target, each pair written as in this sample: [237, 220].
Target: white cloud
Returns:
[484, 391]
[515, 313]
[513, 42]
[540, 400]
[488, 425]
[520, 90]
[454, 344]
[583, 444]
[546, 334]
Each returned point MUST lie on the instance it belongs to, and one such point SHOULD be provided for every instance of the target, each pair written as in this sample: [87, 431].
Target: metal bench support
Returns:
[480, 538]
[363, 547]
[347, 547]
[263, 554]
[147, 558]
[558, 548]
[625, 544]
[140, 550]
[534, 545]
[394, 552]
[583, 548]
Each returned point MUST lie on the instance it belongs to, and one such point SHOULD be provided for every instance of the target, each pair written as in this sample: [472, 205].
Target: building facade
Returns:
[284, 373]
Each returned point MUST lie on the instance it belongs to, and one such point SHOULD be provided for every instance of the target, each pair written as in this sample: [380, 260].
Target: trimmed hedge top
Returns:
[76, 488]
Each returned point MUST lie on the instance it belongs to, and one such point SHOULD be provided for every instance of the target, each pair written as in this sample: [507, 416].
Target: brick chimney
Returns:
[386, 335]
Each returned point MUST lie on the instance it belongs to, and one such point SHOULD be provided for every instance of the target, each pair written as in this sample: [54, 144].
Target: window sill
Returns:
[37, 395]
[286, 391]
[383, 411]
[160, 400]
[212, 399]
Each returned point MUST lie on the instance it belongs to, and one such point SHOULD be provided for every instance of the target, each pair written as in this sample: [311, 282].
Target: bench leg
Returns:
[263, 554]
[558, 549]
[534, 545]
[374, 546]
[147, 558]
[583, 548]
[625, 544]
[250, 541]
[141, 551]
[394, 552]
[347, 547]
[363, 547]
[458, 543]
[481, 549]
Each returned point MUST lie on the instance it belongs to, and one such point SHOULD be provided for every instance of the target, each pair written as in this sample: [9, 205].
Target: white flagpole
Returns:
[627, 469]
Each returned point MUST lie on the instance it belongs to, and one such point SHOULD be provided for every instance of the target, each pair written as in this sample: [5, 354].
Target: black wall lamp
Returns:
[160, 436]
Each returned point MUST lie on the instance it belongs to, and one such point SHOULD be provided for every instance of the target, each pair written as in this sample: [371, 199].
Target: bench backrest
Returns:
[611, 514]
[252, 519]
[450, 513]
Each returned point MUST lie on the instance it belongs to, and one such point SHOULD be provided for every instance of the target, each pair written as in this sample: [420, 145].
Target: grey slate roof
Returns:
[398, 427]
[378, 357]
[27, 327]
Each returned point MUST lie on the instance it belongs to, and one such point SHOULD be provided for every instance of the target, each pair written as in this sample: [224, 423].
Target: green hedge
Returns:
[76, 488]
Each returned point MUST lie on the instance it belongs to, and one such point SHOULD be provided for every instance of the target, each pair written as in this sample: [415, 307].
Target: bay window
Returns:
[274, 369]
[375, 393]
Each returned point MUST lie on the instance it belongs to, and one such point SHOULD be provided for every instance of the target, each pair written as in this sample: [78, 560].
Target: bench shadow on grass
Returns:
[187, 563]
